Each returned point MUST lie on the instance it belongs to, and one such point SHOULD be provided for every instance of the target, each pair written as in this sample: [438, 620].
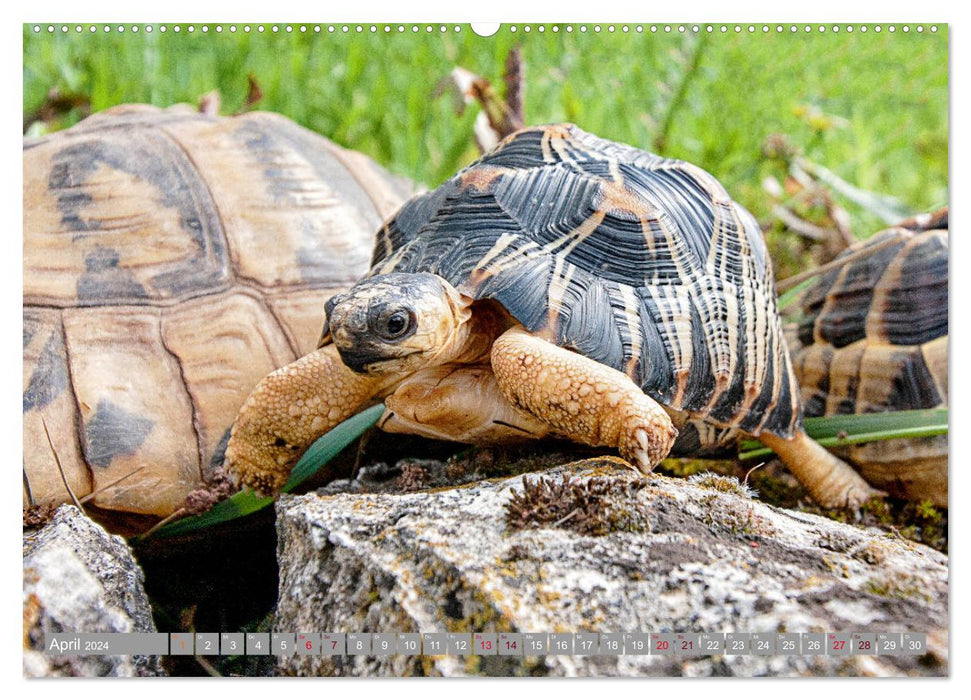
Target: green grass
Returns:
[710, 99]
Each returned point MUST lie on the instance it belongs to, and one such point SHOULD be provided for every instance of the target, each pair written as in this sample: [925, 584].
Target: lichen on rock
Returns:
[78, 578]
[504, 555]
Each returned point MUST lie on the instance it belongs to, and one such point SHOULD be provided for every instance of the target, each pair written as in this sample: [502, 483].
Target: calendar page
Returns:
[548, 349]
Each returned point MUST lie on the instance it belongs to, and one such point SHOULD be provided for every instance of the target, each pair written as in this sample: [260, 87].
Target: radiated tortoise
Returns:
[171, 260]
[562, 284]
[873, 337]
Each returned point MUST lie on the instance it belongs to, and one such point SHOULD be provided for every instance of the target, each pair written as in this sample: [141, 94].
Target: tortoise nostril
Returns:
[279, 442]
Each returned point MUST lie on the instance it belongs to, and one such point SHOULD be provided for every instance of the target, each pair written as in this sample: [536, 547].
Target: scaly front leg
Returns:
[581, 398]
[287, 411]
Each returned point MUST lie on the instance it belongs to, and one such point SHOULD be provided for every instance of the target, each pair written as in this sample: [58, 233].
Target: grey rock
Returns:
[676, 556]
[78, 578]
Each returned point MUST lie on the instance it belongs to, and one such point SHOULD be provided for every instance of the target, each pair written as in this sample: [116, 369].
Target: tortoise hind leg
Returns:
[581, 399]
[830, 480]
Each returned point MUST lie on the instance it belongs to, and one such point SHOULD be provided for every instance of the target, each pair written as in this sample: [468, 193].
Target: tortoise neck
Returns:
[488, 321]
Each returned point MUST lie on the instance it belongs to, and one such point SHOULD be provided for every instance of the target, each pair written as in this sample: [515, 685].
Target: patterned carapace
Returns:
[642, 263]
[874, 338]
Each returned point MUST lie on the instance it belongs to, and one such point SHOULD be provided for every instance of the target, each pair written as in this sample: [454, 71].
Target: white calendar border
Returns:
[819, 11]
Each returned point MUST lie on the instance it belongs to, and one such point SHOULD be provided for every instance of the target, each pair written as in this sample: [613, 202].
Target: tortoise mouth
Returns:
[364, 362]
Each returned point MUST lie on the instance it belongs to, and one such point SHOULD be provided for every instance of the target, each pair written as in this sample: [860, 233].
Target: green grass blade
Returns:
[837, 431]
[236, 506]
[832, 426]
[246, 502]
[329, 445]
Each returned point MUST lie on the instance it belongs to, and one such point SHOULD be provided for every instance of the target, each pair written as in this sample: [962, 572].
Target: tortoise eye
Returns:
[396, 324]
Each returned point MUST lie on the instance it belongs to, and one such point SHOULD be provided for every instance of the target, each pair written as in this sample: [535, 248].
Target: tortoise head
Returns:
[397, 323]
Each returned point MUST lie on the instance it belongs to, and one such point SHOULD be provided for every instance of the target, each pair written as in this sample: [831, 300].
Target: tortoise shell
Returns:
[171, 260]
[873, 337]
[642, 263]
